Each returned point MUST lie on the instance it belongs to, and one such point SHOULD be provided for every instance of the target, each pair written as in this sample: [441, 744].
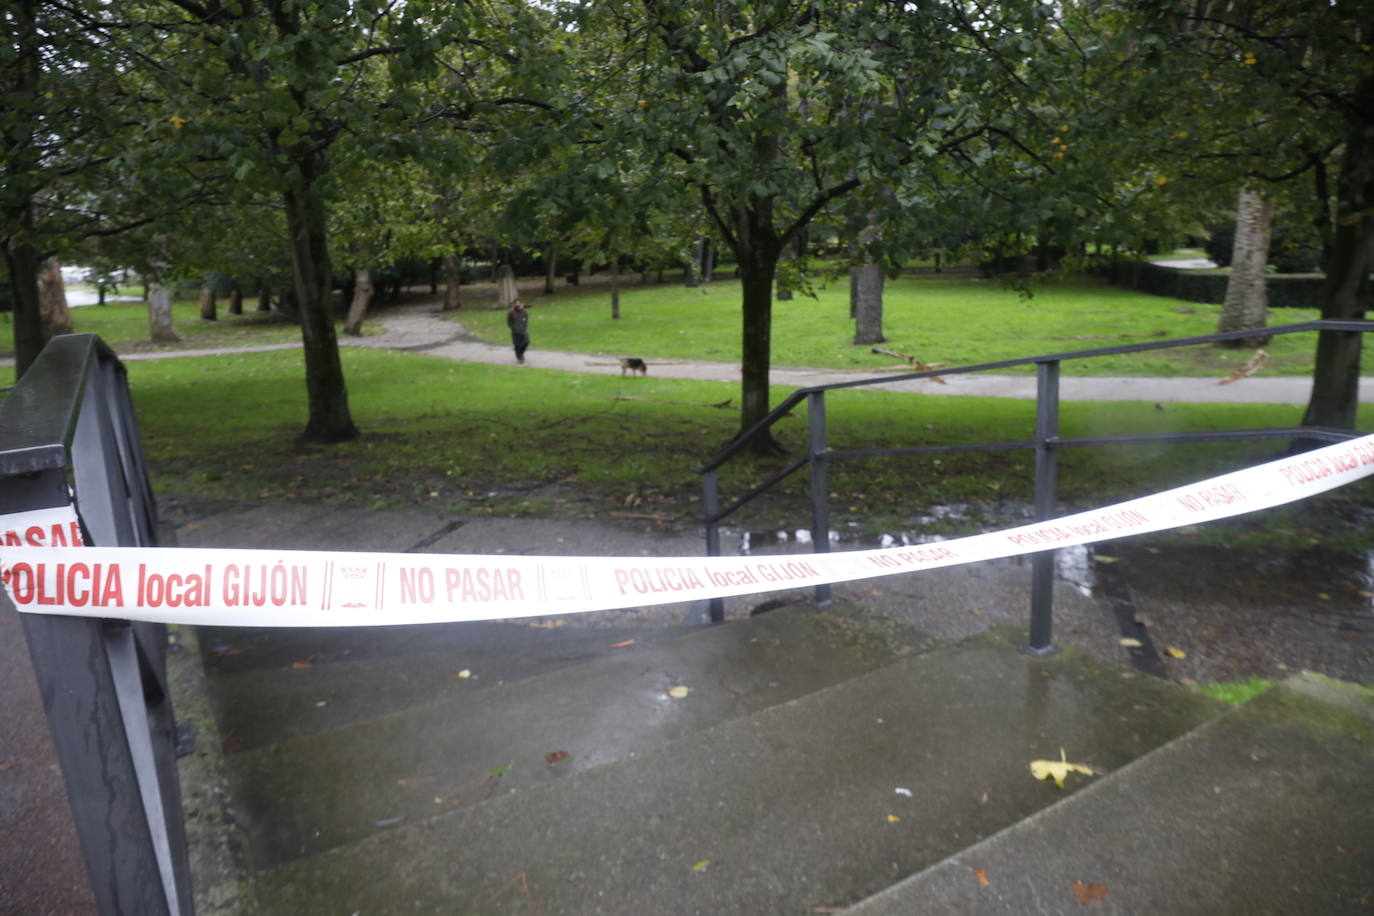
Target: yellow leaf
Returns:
[678, 693]
[1105, 559]
[702, 865]
[1174, 652]
[1130, 643]
[1057, 769]
[893, 819]
[177, 121]
[982, 877]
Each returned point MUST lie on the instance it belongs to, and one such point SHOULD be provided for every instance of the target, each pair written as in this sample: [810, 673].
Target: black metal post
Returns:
[1046, 482]
[820, 485]
[103, 682]
[711, 508]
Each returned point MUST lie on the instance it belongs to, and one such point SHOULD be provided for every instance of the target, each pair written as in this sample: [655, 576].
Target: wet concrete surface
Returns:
[1239, 613]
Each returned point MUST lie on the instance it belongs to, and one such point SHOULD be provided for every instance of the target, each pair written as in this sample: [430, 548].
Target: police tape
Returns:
[45, 572]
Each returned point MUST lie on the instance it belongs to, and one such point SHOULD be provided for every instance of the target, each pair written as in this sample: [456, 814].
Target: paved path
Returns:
[419, 327]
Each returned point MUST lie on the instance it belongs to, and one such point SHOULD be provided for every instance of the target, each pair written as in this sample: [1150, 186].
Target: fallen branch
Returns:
[722, 405]
[1255, 364]
[913, 362]
[646, 516]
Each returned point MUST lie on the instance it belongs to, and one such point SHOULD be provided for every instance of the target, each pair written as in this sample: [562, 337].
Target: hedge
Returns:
[1299, 291]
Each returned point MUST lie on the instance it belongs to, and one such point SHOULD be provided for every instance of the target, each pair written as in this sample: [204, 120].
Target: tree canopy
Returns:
[256, 137]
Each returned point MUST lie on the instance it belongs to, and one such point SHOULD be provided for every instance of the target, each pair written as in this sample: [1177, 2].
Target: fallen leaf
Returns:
[1174, 652]
[893, 819]
[902, 791]
[678, 693]
[621, 645]
[976, 612]
[982, 877]
[1105, 559]
[1057, 769]
[1085, 892]
[556, 757]
[984, 799]
[303, 663]
[702, 865]
[460, 675]
[388, 821]
[1130, 643]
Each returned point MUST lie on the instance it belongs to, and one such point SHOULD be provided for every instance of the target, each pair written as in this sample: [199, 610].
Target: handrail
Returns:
[796, 397]
[71, 439]
[1046, 444]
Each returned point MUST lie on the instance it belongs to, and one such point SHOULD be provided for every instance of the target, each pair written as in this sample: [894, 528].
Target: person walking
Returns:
[518, 320]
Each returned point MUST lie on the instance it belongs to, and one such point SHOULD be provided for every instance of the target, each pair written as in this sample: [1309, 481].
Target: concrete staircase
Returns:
[819, 761]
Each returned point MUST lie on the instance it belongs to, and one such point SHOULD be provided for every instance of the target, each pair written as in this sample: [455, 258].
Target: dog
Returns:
[633, 364]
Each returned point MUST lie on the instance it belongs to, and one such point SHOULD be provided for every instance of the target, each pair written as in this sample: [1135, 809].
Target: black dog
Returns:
[633, 364]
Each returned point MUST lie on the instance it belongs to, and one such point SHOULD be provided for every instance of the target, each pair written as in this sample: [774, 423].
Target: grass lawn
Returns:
[491, 439]
[124, 326]
[950, 321]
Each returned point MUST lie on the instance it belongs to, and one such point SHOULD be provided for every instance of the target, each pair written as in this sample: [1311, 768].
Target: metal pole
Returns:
[711, 507]
[1046, 481]
[820, 485]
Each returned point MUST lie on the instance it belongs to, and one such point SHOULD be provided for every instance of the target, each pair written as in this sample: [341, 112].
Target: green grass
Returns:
[949, 321]
[512, 441]
[1237, 692]
[124, 326]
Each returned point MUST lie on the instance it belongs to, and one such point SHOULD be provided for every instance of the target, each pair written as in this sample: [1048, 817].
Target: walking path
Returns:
[419, 327]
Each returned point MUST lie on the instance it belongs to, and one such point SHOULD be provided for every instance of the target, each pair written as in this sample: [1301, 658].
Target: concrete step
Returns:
[1264, 810]
[304, 796]
[794, 808]
[269, 685]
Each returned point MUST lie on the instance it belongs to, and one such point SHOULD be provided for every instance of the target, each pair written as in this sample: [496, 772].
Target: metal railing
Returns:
[1046, 444]
[70, 438]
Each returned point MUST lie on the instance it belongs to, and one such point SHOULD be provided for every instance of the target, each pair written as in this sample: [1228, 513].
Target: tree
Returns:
[277, 95]
[1246, 303]
[1299, 82]
[747, 102]
[63, 100]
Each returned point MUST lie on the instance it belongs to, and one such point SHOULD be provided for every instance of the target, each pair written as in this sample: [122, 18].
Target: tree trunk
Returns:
[550, 269]
[30, 333]
[785, 293]
[1246, 303]
[615, 287]
[866, 286]
[506, 290]
[453, 282]
[236, 301]
[264, 300]
[52, 293]
[160, 315]
[757, 271]
[708, 260]
[207, 303]
[694, 265]
[1336, 373]
[327, 394]
[362, 298]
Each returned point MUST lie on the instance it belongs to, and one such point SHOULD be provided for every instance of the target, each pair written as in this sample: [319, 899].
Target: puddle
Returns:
[1318, 579]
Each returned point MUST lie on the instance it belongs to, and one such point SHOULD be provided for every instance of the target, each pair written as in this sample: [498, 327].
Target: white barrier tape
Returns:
[287, 588]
